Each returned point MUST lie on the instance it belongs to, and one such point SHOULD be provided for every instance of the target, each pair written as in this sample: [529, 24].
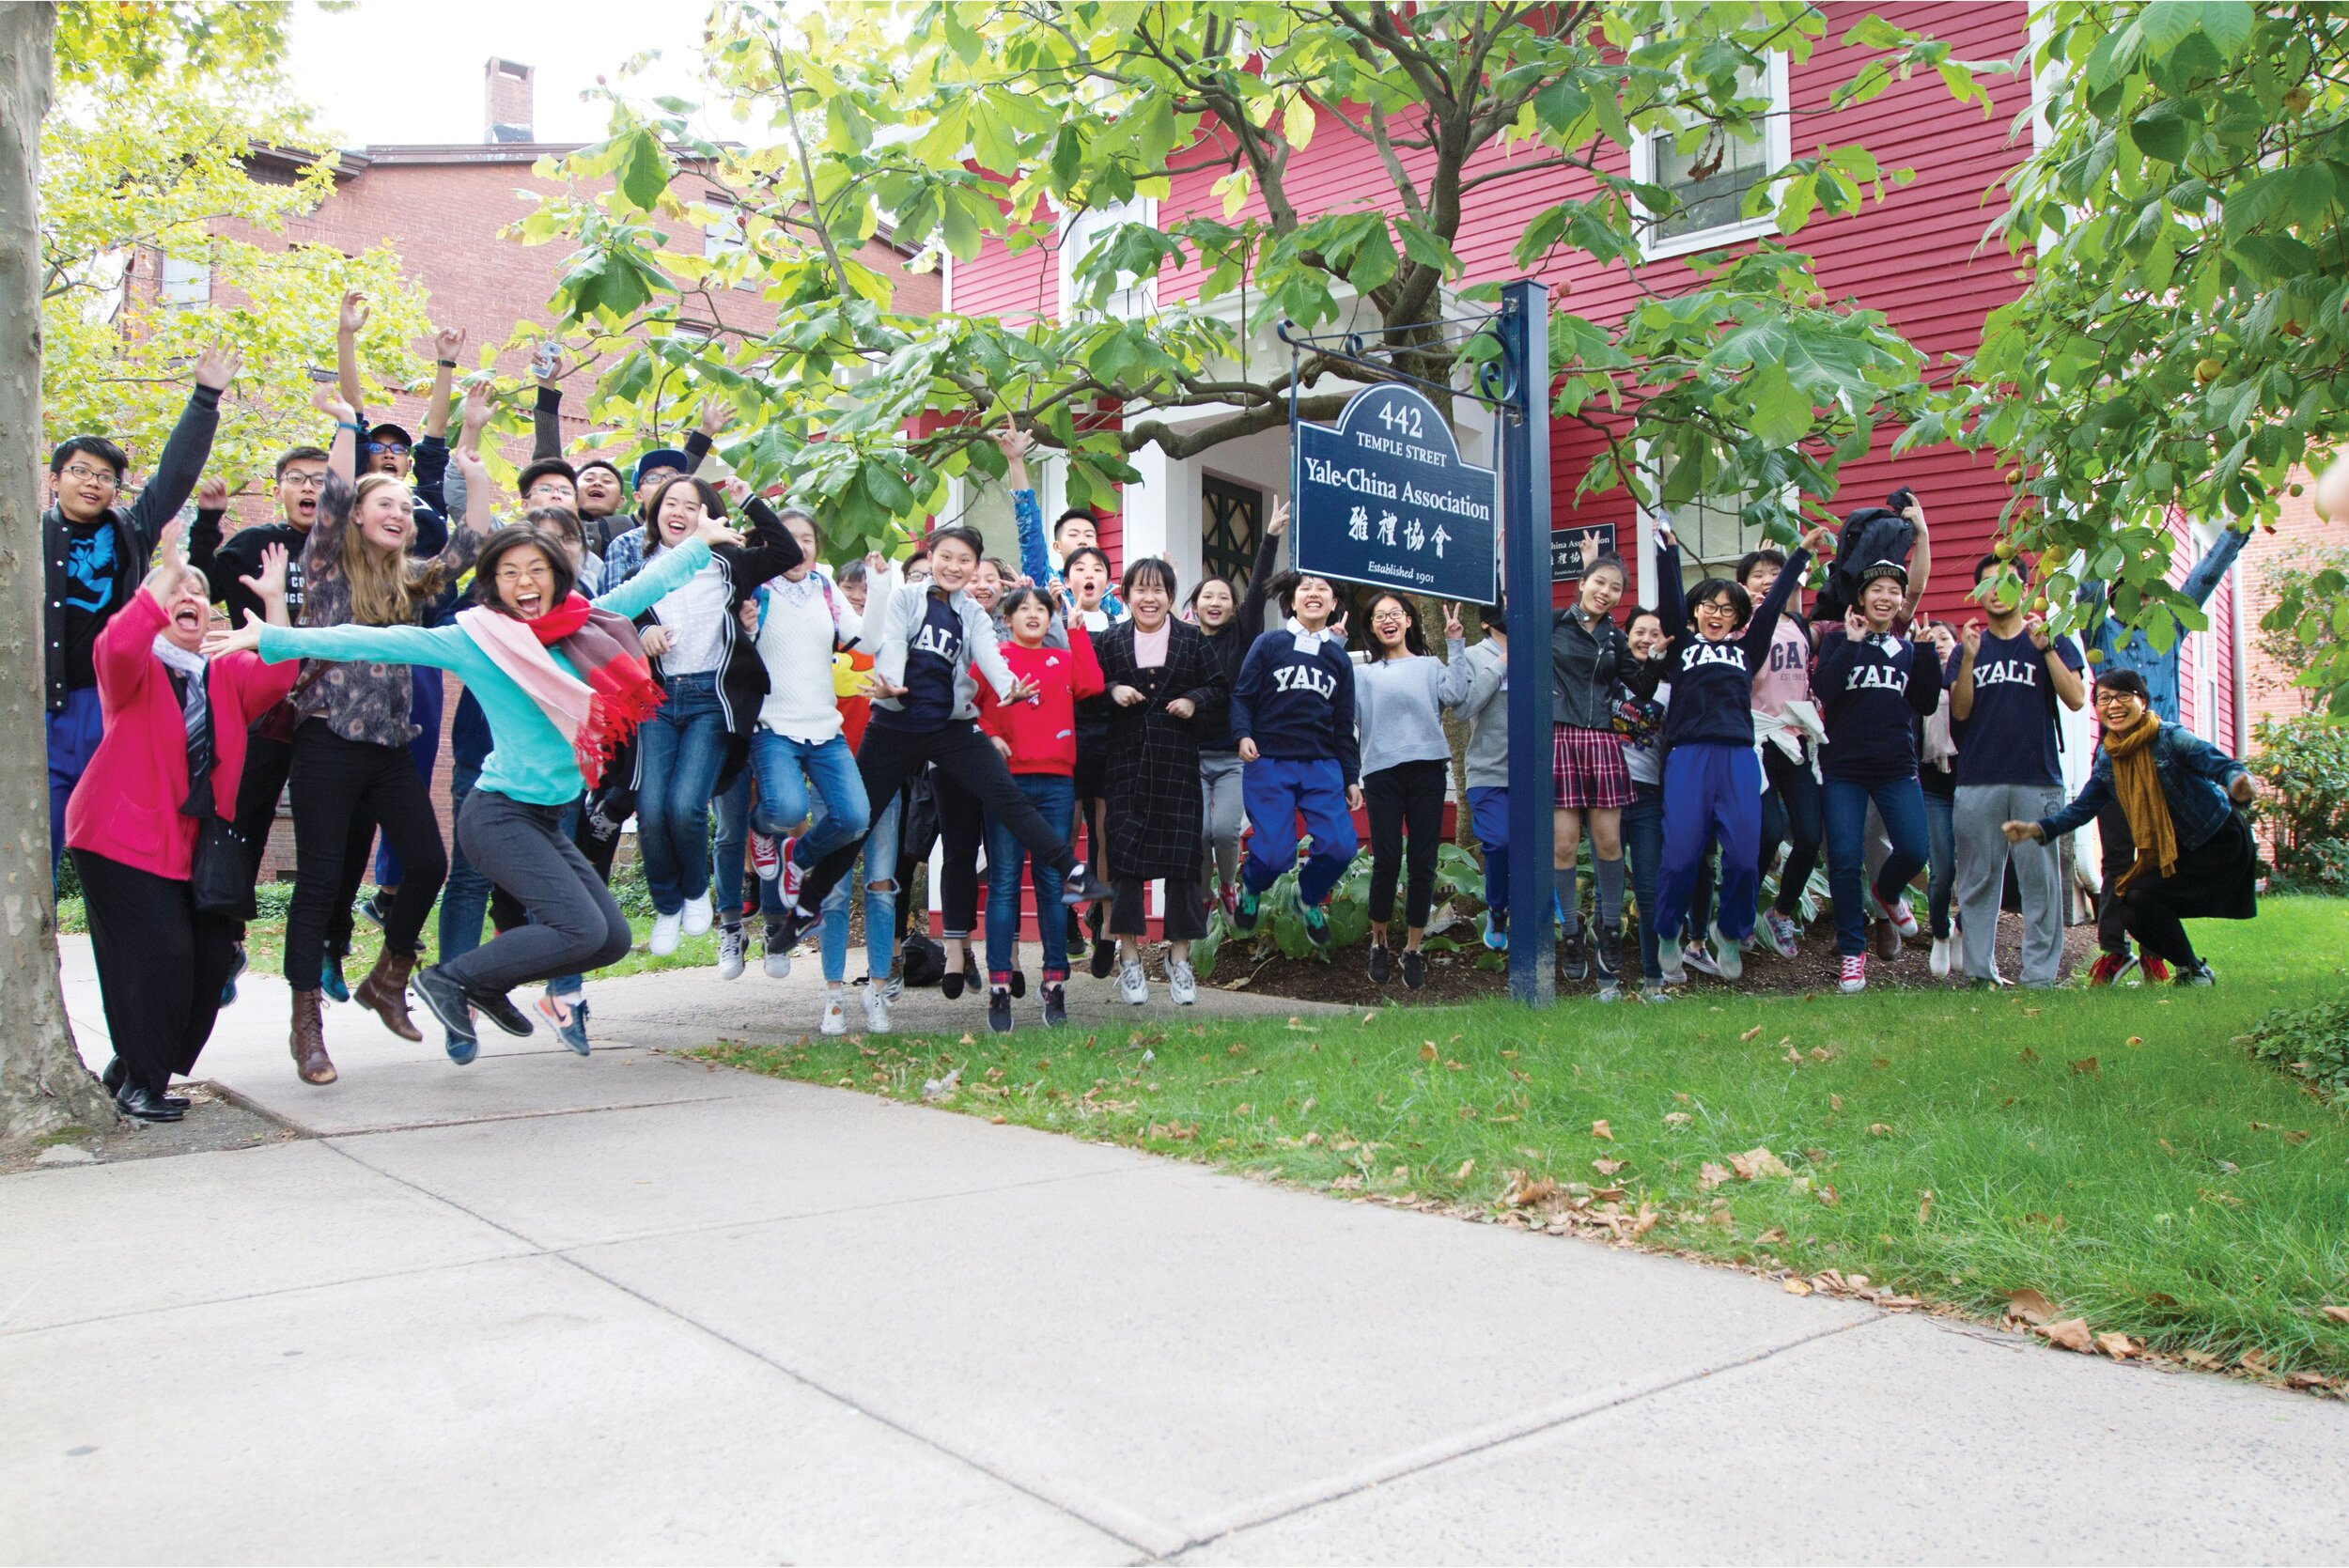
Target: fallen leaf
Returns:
[1827, 1195]
[1606, 1166]
[1312, 1140]
[2339, 1314]
[1877, 1129]
[2202, 1360]
[1924, 1205]
[1821, 1053]
[1523, 1191]
[1677, 1118]
[1883, 1061]
[2307, 1379]
[2295, 1135]
[2085, 1065]
[1710, 1176]
[1645, 1221]
[2118, 1345]
[1600, 1130]
[1757, 1162]
[1427, 1051]
[2028, 1306]
[1751, 1032]
[1793, 1286]
[1467, 1166]
[970, 1039]
[1769, 1238]
[2072, 1334]
[1679, 1096]
[2254, 1361]
[1793, 1057]
[2133, 1040]
[1370, 1017]
[1835, 1102]
[2030, 1056]
[997, 1120]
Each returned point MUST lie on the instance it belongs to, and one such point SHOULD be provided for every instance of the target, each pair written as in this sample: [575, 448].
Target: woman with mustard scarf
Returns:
[2195, 857]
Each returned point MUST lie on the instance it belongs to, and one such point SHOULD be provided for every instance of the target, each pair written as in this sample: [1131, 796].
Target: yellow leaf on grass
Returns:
[2133, 1040]
[1835, 1102]
[1877, 1129]
[1600, 1130]
[1710, 1176]
[1606, 1166]
[2071, 1334]
[2118, 1346]
[1427, 1051]
[1467, 1166]
[1757, 1162]
[1677, 1118]
[2028, 1306]
[2339, 1314]
[1924, 1205]
[1794, 1286]
[1751, 1032]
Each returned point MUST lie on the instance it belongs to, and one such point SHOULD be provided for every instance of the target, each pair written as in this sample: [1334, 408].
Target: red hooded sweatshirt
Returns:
[1042, 730]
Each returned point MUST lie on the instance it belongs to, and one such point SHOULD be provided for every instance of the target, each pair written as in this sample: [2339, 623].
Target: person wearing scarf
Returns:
[2194, 857]
[170, 759]
[563, 683]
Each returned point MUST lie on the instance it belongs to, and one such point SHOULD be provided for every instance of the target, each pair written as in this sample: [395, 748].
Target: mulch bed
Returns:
[1453, 977]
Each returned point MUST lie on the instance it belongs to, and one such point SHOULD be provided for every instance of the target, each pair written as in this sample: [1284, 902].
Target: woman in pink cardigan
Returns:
[170, 718]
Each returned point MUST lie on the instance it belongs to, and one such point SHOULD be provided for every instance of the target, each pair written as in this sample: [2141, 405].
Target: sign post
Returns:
[1382, 498]
[1524, 441]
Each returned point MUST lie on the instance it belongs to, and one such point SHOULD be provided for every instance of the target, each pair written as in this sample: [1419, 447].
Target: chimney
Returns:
[505, 96]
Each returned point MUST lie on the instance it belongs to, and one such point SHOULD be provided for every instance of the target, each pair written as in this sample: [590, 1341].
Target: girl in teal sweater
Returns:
[563, 682]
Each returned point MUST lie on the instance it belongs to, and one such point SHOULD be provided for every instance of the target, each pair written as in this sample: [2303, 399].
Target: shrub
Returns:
[2304, 762]
[2311, 1043]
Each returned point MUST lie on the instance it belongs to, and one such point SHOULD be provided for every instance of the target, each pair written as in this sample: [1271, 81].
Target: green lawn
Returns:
[2117, 1152]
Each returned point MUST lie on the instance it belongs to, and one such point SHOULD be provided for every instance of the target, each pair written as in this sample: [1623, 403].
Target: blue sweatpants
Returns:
[1489, 811]
[1276, 791]
[1711, 794]
[73, 732]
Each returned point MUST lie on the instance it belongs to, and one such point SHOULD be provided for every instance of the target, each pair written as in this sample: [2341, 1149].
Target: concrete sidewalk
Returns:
[634, 1308]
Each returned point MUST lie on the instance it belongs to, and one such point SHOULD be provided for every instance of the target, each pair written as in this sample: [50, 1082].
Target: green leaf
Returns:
[643, 169]
[1296, 121]
[1782, 412]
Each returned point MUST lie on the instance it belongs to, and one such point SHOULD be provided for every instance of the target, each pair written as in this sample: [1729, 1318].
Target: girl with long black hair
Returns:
[1407, 774]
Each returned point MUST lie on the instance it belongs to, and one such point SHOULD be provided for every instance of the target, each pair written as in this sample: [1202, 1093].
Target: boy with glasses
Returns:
[96, 552]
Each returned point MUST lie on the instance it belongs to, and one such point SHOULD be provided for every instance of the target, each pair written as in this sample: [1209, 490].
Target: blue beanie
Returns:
[659, 456]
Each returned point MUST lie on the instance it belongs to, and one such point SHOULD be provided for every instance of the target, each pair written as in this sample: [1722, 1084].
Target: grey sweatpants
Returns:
[1219, 783]
[575, 924]
[1983, 854]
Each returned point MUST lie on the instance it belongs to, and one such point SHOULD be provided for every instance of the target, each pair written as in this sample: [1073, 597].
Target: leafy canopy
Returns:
[951, 126]
[2182, 342]
[144, 154]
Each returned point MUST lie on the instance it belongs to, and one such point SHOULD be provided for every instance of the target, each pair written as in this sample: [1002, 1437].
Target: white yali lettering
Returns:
[1311, 678]
[1701, 652]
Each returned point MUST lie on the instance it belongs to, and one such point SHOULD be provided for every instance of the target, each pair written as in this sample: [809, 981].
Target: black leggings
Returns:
[961, 825]
[889, 757]
[337, 784]
[267, 763]
[161, 965]
[1405, 800]
[1185, 918]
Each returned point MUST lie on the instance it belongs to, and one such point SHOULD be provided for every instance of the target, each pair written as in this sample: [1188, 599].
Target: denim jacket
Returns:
[2194, 778]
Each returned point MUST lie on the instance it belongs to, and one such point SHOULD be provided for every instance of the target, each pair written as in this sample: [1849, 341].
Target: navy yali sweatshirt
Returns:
[1712, 682]
[1297, 705]
[1872, 691]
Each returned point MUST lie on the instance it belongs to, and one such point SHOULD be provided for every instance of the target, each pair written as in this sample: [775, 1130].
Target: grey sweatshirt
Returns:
[1398, 711]
[1476, 687]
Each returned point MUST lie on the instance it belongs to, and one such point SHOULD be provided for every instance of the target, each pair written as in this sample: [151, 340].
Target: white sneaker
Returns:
[665, 930]
[1673, 961]
[1939, 963]
[1132, 986]
[835, 1016]
[698, 915]
[1181, 984]
[732, 947]
[1853, 978]
[894, 987]
[777, 959]
[875, 1010]
[1727, 954]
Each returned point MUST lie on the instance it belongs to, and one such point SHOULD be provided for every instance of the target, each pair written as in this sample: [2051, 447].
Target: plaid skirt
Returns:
[1589, 770]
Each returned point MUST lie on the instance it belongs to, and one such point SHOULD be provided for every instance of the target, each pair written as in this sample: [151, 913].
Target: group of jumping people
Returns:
[662, 648]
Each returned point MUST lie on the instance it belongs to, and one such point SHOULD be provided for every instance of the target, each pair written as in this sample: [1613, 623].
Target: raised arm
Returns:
[204, 535]
[346, 327]
[1920, 560]
[1759, 629]
[185, 454]
[545, 414]
[1035, 564]
[666, 573]
[446, 344]
[1251, 618]
[1962, 684]
[772, 550]
[322, 548]
[2211, 571]
[1671, 601]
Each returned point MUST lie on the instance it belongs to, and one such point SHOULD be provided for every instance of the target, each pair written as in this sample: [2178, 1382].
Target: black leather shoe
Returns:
[500, 1010]
[147, 1106]
[115, 1076]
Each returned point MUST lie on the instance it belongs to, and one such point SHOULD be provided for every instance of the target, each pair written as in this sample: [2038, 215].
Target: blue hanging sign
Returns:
[1383, 498]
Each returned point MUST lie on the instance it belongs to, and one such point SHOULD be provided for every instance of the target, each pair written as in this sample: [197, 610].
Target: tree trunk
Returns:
[43, 1085]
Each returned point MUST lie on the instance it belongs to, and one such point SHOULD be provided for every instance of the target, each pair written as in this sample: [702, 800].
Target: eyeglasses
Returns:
[78, 474]
[2115, 699]
[301, 479]
[377, 448]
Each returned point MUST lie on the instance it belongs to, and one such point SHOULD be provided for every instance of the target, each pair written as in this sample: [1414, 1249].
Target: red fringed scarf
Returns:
[598, 710]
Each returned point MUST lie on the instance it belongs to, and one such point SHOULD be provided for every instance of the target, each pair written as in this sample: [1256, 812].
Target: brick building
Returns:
[445, 208]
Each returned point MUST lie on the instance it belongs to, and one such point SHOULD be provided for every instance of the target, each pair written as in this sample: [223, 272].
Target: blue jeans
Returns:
[792, 776]
[880, 907]
[730, 815]
[465, 898]
[1278, 790]
[1643, 846]
[73, 732]
[1942, 880]
[679, 751]
[1902, 805]
[1054, 796]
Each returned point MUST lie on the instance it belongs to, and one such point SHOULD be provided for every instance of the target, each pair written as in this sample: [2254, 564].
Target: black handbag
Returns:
[220, 872]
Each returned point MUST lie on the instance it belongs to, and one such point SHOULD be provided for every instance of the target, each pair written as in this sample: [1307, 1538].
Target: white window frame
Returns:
[1777, 150]
[1646, 517]
[182, 283]
[1138, 299]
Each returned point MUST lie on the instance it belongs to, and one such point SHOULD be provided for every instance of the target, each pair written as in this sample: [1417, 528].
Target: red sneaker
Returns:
[2109, 967]
[763, 856]
[791, 869]
[2157, 971]
[1854, 976]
